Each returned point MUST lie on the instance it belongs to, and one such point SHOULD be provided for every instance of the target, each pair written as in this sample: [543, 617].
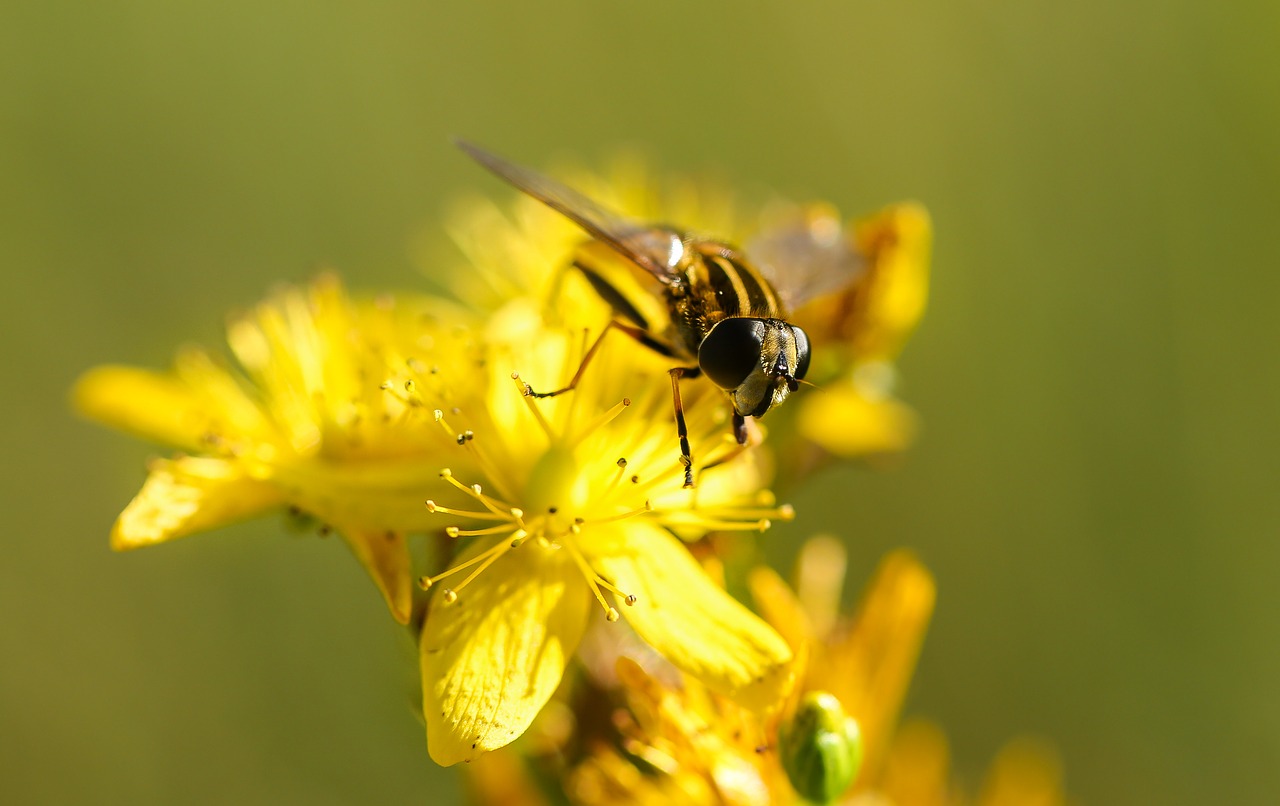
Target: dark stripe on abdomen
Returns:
[731, 296]
[760, 299]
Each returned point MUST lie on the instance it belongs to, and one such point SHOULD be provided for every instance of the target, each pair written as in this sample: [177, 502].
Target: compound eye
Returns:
[731, 351]
[802, 352]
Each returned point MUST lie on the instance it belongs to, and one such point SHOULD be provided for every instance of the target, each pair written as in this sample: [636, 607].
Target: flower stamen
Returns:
[433, 507]
[526, 392]
[477, 492]
[648, 507]
[595, 582]
[599, 422]
[483, 560]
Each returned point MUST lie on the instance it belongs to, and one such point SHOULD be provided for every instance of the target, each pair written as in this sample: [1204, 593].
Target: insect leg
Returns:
[740, 428]
[681, 430]
[634, 332]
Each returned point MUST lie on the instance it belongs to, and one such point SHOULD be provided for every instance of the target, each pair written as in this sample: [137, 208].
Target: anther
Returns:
[451, 531]
[622, 461]
[439, 415]
[431, 505]
[630, 600]
[612, 614]
[449, 596]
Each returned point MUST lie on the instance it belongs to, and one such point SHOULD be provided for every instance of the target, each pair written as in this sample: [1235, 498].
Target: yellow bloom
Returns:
[305, 424]
[856, 331]
[859, 331]
[866, 661]
[581, 499]
[680, 743]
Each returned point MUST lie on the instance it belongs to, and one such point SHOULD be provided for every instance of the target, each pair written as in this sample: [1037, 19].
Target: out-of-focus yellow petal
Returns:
[897, 241]
[870, 667]
[917, 770]
[691, 622]
[502, 778]
[187, 495]
[1026, 772]
[152, 405]
[820, 571]
[492, 659]
[846, 422]
[385, 555]
[780, 607]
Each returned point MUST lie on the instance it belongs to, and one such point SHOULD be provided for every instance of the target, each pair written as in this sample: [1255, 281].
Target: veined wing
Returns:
[654, 249]
[807, 258]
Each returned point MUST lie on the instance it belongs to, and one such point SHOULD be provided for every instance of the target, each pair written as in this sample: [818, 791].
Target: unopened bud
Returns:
[820, 748]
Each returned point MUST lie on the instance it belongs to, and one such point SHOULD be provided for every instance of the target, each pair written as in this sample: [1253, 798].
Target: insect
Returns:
[728, 317]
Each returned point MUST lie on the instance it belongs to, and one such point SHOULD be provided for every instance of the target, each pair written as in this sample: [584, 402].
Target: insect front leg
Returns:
[682, 430]
[634, 332]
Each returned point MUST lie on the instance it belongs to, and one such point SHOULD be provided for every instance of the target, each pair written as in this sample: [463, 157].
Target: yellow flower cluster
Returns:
[565, 524]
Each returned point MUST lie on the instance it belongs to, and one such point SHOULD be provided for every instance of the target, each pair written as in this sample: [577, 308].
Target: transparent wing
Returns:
[807, 258]
[656, 250]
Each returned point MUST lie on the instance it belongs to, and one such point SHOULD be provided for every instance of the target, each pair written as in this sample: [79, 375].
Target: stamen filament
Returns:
[492, 530]
[484, 559]
[593, 581]
[532, 403]
[648, 507]
[599, 422]
[433, 507]
[617, 477]
[475, 491]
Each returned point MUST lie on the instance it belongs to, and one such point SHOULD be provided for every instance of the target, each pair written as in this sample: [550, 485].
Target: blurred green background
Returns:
[1097, 373]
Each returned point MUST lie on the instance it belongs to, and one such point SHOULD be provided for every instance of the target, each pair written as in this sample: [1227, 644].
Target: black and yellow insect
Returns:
[728, 320]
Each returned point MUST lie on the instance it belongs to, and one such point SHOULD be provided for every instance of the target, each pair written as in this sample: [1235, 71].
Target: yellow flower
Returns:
[856, 330]
[680, 743]
[305, 424]
[859, 331]
[865, 661]
[555, 504]
[581, 499]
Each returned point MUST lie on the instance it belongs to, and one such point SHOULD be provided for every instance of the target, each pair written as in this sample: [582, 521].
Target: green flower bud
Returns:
[820, 748]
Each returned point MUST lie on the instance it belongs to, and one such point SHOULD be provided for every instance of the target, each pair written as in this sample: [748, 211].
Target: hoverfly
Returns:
[728, 316]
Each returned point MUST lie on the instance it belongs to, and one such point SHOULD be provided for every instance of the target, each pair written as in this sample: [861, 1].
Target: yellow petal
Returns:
[493, 658]
[694, 624]
[780, 607]
[385, 555]
[187, 495]
[1026, 772]
[199, 401]
[152, 405]
[917, 769]
[848, 423]
[870, 668]
[897, 241]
